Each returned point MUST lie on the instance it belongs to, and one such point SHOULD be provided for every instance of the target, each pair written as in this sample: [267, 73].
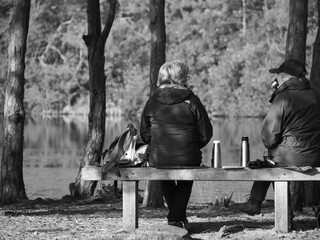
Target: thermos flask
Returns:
[245, 151]
[216, 154]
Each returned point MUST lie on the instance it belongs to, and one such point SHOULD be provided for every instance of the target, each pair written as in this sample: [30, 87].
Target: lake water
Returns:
[53, 149]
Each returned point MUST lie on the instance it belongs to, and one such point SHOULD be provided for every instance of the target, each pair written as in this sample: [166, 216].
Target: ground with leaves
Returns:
[102, 219]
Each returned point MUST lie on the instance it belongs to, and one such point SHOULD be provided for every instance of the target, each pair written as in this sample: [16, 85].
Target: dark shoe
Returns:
[185, 221]
[291, 226]
[316, 210]
[252, 207]
[179, 224]
[186, 224]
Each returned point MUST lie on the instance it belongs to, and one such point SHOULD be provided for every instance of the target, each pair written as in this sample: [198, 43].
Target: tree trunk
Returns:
[11, 168]
[315, 68]
[153, 196]
[297, 30]
[244, 17]
[95, 41]
[158, 41]
[310, 198]
[302, 192]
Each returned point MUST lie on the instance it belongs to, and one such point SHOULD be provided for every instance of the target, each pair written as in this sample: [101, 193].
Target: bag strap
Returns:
[191, 107]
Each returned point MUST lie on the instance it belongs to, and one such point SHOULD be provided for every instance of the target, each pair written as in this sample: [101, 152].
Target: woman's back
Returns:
[174, 133]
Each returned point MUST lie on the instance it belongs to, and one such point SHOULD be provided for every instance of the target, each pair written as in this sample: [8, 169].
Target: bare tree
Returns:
[95, 41]
[303, 193]
[244, 17]
[153, 197]
[312, 188]
[296, 49]
[11, 167]
[158, 41]
[297, 30]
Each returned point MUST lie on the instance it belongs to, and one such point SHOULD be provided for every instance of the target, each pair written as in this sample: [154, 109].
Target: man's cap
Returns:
[292, 67]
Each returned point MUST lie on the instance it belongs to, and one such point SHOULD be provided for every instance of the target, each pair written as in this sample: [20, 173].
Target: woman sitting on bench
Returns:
[176, 126]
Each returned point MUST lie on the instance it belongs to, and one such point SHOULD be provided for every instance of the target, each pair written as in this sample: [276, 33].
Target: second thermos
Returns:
[245, 151]
[216, 154]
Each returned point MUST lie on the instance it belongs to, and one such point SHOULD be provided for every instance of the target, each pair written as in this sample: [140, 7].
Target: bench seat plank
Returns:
[201, 174]
[131, 176]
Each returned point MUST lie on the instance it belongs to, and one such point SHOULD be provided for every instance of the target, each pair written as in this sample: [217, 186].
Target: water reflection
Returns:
[230, 132]
[53, 149]
[54, 142]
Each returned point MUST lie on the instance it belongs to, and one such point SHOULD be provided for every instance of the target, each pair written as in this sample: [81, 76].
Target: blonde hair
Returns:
[175, 72]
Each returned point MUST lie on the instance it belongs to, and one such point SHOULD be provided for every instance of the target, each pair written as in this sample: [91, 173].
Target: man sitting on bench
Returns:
[291, 129]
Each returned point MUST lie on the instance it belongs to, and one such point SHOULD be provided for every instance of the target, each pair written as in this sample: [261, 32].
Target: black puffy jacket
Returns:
[176, 126]
[291, 129]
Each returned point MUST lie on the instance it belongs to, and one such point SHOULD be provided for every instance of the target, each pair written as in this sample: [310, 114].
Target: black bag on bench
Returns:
[124, 151]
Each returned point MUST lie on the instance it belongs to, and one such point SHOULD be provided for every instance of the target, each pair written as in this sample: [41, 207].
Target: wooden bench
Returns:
[130, 178]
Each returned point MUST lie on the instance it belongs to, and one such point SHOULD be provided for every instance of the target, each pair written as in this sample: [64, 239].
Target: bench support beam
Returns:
[131, 176]
[281, 204]
[130, 205]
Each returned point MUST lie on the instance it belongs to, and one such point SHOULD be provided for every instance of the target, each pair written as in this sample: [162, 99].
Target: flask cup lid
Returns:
[245, 138]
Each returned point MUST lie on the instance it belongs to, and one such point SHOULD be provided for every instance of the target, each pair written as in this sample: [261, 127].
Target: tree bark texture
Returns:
[296, 48]
[11, 167]
[158, 41]
[153, 196]
[297, 30]
[315, 68]
[302, 193]
[95, 41]
[311, 198]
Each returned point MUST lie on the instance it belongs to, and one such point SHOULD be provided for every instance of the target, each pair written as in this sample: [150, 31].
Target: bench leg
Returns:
[130, 205]
[281, 207]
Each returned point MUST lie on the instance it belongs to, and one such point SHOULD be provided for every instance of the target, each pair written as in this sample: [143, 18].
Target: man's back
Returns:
[303, 117]
[291, 130]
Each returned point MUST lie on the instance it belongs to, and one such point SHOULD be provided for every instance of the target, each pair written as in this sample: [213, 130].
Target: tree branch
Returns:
[111, 15]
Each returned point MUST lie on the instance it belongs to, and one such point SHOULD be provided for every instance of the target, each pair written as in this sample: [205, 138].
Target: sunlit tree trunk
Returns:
[153, 196]
[244, 17]
[303, 193]
[95, 41]
[11, 167]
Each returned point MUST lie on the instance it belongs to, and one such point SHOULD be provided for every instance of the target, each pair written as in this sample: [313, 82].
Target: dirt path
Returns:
[102, 219]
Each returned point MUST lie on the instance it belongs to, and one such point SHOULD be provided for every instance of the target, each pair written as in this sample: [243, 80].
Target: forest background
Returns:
[228, 44]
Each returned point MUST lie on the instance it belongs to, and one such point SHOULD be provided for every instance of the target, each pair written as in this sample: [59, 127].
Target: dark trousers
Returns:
[177, 195]
[259, 191]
